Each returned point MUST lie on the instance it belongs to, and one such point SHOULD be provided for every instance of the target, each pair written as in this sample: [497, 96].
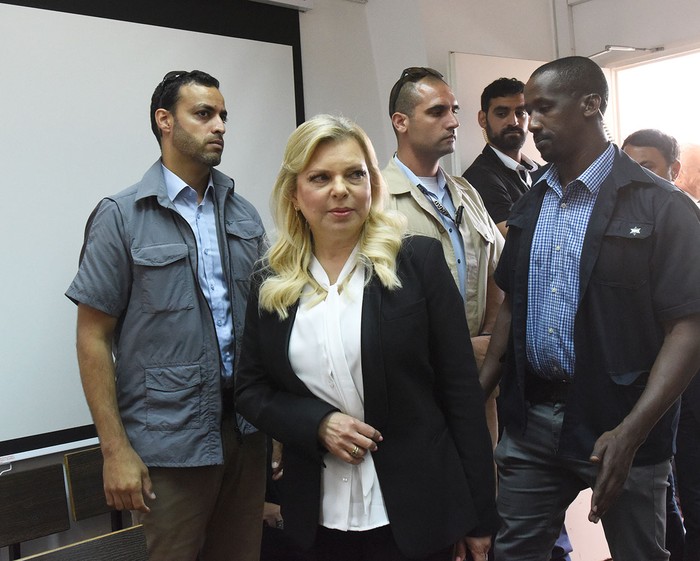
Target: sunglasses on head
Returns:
[168, 79]
[411, 74]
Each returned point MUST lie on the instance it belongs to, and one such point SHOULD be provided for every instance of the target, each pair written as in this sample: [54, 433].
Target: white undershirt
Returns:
[325, 353]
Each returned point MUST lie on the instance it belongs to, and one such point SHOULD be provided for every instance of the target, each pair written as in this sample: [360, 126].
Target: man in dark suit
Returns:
[597, 335]
[501, 173]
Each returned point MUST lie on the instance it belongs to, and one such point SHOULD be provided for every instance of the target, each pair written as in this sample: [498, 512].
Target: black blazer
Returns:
[498, 185]
[435, 464]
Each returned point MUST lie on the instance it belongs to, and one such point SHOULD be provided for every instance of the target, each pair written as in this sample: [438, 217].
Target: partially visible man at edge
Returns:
[598, 329]
[163, 284]
[660, 153]
[689, 176]
[423, 111]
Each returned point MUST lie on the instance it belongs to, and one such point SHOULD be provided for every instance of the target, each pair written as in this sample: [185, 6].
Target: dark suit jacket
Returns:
[639, 268]
[421, 392]
[498, 186]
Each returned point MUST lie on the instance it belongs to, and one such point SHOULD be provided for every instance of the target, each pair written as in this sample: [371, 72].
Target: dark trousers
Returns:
[536, 486]
[370, 545]
[688, 472]
[675, 534]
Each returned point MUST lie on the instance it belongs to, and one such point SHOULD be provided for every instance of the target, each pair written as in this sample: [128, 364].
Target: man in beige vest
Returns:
[423, 113]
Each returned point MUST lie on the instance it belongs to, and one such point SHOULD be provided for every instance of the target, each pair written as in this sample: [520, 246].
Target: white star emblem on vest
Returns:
[635, 231]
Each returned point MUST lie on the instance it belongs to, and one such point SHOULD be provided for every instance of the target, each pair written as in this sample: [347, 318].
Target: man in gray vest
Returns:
[161, 293]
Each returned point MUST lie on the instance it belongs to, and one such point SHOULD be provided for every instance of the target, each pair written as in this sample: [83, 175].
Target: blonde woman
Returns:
[355, 359]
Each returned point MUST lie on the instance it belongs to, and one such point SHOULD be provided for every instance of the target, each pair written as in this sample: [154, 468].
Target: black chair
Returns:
[32, 505]
[85, 486]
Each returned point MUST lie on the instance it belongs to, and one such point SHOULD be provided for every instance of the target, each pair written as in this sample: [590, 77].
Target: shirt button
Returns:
[219, 323]
[554, 290]
[345, 479]
[206, 252]
[450, 230]
[557, 247]
[563, 205]
[550, 330]
[459, 261]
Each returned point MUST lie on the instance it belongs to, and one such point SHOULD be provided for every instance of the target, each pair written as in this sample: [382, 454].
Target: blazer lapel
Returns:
[373, 374]
[280, 331]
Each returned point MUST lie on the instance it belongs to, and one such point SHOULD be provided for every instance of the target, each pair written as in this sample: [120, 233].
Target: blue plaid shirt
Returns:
[553, 283]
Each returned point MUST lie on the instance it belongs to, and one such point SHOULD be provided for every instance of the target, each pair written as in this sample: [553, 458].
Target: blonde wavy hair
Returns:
[287, 260]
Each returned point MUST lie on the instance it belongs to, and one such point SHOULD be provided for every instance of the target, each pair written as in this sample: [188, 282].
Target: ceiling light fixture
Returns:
[623, 48]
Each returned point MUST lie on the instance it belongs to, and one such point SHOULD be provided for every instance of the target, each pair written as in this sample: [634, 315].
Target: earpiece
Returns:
[608, 136]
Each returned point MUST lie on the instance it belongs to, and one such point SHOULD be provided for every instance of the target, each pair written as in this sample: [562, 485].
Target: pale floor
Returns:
[586, 538]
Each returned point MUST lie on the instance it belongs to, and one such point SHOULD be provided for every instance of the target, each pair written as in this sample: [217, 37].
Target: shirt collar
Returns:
[592, 177]
[413, 178]
[175, 185]
[527, 164]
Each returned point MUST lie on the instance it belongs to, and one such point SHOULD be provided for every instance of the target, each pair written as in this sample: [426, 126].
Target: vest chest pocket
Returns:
[162, 278]
[243, 238]
[624, 255]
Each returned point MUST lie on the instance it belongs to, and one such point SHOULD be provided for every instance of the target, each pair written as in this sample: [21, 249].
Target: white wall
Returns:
[352, 53]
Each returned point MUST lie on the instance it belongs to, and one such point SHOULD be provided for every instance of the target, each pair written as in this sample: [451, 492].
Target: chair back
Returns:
[32, 504]
[85, 487]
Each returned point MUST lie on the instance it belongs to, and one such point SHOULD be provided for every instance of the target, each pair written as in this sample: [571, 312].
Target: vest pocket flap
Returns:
[173, 378]
[159, 255]
[629, 229]
[246, 229]
[485, 232]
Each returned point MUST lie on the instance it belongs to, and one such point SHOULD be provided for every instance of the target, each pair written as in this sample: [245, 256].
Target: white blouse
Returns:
[325, 353]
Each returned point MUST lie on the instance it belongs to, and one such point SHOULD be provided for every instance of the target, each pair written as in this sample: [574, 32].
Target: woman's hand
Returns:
[276, 460]
[474, 548]
[272, 515]
[348, 438]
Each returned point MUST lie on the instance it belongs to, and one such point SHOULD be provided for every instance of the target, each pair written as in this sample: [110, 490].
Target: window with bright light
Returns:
[657, 95]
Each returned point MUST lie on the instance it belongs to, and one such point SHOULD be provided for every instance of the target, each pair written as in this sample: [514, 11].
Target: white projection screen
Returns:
[75, 92]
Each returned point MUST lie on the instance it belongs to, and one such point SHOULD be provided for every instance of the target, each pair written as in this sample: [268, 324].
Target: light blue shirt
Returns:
[202, 219]
[553, 283]
[450, 225]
